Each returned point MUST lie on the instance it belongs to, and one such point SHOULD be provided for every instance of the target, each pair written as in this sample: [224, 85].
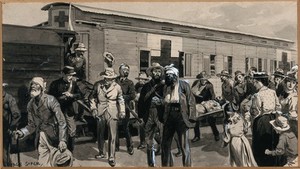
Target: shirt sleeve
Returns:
[255, 108]
[62, 125]
[280, 149]
[121, 99]
[30, 127]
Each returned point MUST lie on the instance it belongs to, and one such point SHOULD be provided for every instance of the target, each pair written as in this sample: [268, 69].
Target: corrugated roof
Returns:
[155, 19]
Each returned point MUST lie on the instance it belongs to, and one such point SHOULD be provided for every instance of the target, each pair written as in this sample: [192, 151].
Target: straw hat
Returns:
[109, 73]
[280, 123]
[62, 159]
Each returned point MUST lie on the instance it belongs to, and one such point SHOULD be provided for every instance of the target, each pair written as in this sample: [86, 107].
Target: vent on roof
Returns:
[285, 44]
[209, 34]
[185, 31]
[238, 38]
[122, 23]
[263, 41]
[227, 36]
[166, 28]
[95, 19]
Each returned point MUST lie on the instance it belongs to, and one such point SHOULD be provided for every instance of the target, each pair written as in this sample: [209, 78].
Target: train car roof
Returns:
[151, 18]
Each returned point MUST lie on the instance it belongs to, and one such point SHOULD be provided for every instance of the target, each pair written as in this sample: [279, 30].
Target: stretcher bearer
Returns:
[203, 90]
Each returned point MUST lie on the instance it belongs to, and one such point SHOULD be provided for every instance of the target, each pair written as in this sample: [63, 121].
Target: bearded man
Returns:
[179, 116]
[46, 119]
[149, 109]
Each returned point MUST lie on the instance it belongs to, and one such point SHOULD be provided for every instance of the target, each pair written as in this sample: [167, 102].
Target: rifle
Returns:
[133, 113]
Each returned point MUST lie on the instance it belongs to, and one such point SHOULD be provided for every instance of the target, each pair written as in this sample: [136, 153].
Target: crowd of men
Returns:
[165, 107]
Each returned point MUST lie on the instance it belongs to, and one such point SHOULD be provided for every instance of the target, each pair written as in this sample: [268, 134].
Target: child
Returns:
[288, 142]
[240, 152]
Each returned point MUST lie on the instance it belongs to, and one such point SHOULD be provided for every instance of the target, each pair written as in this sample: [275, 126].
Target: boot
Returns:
[151, 156]
[71, 143]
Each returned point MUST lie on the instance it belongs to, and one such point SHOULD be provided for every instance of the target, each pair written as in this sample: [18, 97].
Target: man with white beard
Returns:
[46, 119]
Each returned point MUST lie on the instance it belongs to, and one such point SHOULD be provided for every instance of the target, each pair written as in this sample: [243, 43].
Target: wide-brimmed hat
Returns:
[280, 123]
[203, 75]
[260, 75]
[62, 159]
[154, 65]
[142, 75]
[109, 57]
[291, 77]
[224, 73]
[279, 73]
[81, 47]
[69, 70]
[109, 73]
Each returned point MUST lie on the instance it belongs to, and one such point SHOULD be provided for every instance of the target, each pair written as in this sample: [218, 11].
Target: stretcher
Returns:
[209, 108]
[215, 113]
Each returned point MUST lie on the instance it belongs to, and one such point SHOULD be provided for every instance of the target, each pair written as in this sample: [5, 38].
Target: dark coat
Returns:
[47, 117]
[11, 114]
[144, 104]
[206, 94]
[187, 104]
[57, 88]
[128, 90]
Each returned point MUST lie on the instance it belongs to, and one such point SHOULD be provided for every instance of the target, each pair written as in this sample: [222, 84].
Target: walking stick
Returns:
[18, 153]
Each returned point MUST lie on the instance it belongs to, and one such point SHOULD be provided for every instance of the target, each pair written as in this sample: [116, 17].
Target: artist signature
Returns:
[27, 163]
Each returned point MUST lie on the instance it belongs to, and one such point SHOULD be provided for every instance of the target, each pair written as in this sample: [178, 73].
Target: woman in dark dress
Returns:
[265, 105]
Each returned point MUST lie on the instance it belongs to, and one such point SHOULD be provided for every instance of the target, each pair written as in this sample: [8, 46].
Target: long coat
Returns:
[144, 104]
[58, 87]
[46, 116]
[11, 114]
[187, 104]
[108, 100]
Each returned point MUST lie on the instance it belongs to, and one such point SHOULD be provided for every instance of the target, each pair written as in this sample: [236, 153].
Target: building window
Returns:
[263, 41]
[166, 28]
[229, 62]
[284, 57]
[293, 63]
[246, 64]
[252, 62]
[265, 65]
[227, 36]
[212, 64]
[209, 34]
[259, 67]
[285, 44]
[188, 64]
[144, 60]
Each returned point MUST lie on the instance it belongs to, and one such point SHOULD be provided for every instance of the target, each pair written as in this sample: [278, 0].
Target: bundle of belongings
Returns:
[210, 107]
